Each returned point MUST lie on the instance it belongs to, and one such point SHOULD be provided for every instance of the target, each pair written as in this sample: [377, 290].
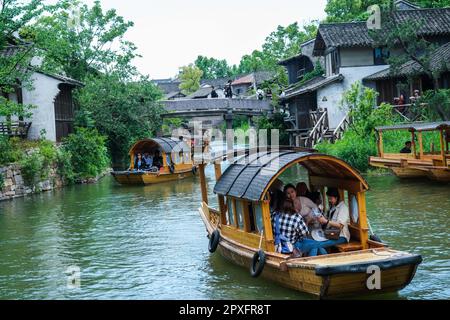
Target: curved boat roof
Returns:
[418, 126]
[167, 145]
[250, 177]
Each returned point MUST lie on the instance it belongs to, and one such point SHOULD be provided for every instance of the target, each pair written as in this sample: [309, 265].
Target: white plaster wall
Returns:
[335, 91]
[356, 57]
[45, 90]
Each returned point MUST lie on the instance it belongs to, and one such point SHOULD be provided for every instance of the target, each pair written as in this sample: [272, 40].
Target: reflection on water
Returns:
[150, 243]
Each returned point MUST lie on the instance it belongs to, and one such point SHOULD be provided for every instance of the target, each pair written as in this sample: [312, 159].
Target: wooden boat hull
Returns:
[408, 173]
[146, 178]
[334, 275]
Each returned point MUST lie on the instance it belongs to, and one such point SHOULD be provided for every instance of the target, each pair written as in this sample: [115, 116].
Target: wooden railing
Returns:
[316, 135]
[343, 126]
[15, 129]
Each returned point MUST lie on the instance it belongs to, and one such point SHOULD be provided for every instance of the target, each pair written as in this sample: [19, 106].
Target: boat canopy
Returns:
[167, 145]
[430, 126]
[251, 176]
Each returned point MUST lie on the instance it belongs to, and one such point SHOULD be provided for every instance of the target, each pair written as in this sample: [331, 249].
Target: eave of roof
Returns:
[429, 126]
[436, 21]
[249, 177]
[313, 85]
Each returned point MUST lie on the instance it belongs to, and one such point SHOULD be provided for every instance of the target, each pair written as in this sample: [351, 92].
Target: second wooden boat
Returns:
[172, 159]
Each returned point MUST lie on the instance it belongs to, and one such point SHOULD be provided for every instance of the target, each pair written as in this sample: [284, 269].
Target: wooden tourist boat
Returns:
[241, 231]
[418, 164]
[175, 157]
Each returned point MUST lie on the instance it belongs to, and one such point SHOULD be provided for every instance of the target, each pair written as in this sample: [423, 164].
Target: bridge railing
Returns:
[217, 104]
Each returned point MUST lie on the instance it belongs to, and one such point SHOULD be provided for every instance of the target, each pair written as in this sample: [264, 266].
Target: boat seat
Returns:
[351, 246]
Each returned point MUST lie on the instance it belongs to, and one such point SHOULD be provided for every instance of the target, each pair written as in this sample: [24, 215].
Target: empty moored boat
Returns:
[241, 230]
[172, 159]
[434, 165]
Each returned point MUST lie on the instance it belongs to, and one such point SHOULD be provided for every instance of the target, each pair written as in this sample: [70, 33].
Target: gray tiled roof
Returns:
[440, 61]
[248, 178]
[312, 85]
[200, 93]
[434, 22]
[168, 87]
[430, 126]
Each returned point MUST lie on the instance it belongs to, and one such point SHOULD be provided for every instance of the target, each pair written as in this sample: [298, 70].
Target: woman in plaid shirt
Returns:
[292, 226]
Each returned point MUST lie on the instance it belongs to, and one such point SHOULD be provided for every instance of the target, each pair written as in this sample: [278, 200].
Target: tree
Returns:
[356, 10]
[359, 102]
[282, 43]
[402, 38]
[213, 68]
[78, 40]
[123, 111]
[14, 66]
[190, 77]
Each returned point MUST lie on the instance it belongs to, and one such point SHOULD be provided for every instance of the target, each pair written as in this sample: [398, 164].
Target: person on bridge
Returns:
[214, 93]
[228, 90]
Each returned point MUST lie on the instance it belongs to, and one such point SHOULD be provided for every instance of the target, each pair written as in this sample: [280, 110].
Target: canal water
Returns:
[150, 243]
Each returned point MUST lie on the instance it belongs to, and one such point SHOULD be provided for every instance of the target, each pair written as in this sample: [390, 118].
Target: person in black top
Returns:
[139, 163]
[407, 148]
[214, 93]
[228, 90]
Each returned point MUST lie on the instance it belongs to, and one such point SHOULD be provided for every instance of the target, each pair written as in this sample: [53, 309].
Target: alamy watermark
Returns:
[374, 20]
[373, 282]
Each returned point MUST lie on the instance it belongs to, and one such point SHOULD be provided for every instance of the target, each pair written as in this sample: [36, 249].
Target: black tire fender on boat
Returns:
[172, 168]
[194, 170]
[214, 239]
[258, 263]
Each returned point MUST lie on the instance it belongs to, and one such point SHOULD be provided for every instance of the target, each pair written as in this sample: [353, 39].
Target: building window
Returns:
[380, 56]
[334, 63]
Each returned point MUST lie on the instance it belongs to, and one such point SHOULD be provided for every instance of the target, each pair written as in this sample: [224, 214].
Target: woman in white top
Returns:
[303, 205]
[338, 217]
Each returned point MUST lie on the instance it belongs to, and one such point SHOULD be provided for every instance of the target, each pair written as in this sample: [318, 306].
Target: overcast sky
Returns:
[172, 33]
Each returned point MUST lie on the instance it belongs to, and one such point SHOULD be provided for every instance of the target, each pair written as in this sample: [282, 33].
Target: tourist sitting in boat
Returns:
[139, 163]
[148, 160]
[407, 148]
[157, 160]
[337, 217]
[290, 230]
[302, 190]
[303, 205]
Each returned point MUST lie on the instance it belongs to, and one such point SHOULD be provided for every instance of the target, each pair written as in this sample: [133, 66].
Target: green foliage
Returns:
[15, 15]
[213, 68]
[82, 48]
[33, 169]
[84, 119]
[280, 44]
[89, 155]
[359, 102]
[434, 105]
[64, 166]
[123, 111]
[2, 181]
[318, 71]
[190, 77]
[275, 123]
[6, 151]
[351, 10]
[359, 142]
[353, 148]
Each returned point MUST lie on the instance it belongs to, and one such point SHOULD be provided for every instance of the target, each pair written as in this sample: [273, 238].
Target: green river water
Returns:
[150, 243]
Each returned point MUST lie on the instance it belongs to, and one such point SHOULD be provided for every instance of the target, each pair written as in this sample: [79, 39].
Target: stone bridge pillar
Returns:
[229, 119]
